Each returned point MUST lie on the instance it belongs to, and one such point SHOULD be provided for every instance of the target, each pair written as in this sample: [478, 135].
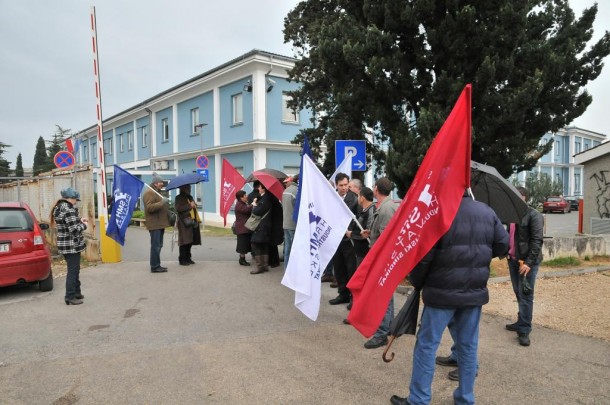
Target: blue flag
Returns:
[126, 191]
[297, 200]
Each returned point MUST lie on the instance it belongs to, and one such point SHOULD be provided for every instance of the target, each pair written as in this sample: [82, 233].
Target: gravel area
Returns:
[577, 304]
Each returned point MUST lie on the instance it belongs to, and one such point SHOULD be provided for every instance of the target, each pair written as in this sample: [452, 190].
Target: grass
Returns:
[562, 262]
[217, 231]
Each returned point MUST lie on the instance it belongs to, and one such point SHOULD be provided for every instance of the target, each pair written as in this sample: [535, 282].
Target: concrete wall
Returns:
[577, 246]
[596, 185]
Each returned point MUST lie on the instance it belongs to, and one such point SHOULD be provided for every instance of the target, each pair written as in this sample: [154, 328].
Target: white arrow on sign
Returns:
[359, 164]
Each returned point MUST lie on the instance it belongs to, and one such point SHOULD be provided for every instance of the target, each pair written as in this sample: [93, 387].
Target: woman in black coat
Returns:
[269, 232]
[242, 213]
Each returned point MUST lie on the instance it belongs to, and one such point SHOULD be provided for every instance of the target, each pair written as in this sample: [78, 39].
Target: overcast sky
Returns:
[146, 47]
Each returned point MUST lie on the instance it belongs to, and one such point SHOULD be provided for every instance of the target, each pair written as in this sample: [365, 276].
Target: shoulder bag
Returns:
[254, 220]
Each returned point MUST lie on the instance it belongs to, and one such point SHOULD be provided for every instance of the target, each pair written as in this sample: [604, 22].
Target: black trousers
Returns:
[185, 253]
[344, 264]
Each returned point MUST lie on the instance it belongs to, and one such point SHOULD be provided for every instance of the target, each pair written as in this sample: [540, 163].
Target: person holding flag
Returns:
[126, 190]
[453, 278]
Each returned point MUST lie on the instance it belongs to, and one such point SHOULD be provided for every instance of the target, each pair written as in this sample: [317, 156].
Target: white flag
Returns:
[323, 220]
[344, 167]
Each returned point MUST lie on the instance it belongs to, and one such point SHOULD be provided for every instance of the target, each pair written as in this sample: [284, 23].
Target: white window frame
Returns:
[108, 147]
[121, 143]
[289, 115]
[557, 144]
[237, 108]
[195, 120]
[129, 140]
[144, 137]
[85, 153]
[165, 130]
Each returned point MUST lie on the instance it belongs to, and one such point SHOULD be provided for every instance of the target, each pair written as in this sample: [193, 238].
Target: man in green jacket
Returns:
[156, 210]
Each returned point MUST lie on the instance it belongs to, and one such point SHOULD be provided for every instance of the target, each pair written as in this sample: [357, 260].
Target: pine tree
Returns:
[55, 145]
[5, 170]
[397, 67]
[41, 159]
[19, 166]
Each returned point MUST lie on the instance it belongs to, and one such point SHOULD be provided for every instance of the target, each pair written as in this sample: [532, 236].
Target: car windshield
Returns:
[12, 219]
[554, 199]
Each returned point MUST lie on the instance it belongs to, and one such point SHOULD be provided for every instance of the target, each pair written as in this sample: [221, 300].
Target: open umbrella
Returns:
[184, 179]
[273, 172]
[271, 183]
[404, 323]
[490, 187]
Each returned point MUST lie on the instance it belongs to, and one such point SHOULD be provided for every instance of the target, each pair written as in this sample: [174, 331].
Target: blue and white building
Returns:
[559, 163]
[237, 111]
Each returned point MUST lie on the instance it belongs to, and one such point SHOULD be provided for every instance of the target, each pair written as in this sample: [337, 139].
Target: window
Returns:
[577, 147]
[144, 137]
[121, 143]
[576, 183]
[108, 146]
[238, 109]
[288, 114]
[165, 130]
[557, 144]
[85, 153]
[194, 120]
[129, 140]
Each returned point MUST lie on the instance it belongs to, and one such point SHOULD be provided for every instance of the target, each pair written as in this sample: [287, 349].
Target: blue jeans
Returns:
[288, 237]
[156, 243]
[384, 327]
[525, 302]
[433, 323]
[452, 332]
[73, 277]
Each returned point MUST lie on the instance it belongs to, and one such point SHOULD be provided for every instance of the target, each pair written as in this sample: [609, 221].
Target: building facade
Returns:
[237, 111]
[559, 163]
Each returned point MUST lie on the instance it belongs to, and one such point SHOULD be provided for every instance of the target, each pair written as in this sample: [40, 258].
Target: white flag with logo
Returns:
[323, 220]
[344, 167]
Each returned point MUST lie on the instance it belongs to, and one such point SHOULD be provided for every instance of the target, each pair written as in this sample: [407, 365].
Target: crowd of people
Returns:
[452, 276]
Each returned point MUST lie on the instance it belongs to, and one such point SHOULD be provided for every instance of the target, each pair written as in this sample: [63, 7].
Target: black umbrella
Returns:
[489, 187]
[183, 180]
[273, 172]
[404, 323]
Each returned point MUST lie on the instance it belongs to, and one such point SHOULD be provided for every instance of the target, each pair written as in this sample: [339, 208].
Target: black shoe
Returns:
[446, 361]
[327, 278]
[346, 321]
[375, 342]
[340, 299]
[396, 400]
[454, 375]
[243, 262]
[73, 301]
[511, 327]
[79, 296]
[189, 261]
[159, 269]
[185, 264]
[524, 339]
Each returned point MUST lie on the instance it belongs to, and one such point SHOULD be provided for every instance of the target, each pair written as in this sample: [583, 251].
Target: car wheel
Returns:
[47, 283]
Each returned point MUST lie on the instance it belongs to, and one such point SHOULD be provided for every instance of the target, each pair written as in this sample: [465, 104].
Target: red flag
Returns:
[231, 182]
[69, 145]
[424, 215]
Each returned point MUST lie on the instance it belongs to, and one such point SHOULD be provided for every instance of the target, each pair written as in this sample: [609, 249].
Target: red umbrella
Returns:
[271, 183]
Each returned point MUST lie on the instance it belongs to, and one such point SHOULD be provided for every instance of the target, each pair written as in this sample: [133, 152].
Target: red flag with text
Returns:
[232, 181]
[424, 215]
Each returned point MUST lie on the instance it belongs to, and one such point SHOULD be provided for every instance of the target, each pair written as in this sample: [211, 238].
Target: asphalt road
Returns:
[214, 334]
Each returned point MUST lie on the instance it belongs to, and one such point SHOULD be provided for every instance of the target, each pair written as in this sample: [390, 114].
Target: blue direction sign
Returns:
[358, 150]
[204, 173]
[203, 161]
[63, 159]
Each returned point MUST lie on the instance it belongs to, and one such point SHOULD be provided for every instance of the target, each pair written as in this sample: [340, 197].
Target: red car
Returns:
[24, 254]
[556, 204]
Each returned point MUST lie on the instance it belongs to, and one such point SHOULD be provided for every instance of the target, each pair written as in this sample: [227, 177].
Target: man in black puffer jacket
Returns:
[453, 278]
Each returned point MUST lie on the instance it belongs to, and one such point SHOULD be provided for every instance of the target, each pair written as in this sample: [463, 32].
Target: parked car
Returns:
[573, 202]
[24, 255]
[556, 204]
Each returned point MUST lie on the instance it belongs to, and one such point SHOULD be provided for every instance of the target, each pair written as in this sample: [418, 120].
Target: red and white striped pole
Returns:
[110, 250]
[101, 194]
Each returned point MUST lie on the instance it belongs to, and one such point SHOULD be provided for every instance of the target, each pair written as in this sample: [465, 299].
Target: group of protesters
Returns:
[452, 276]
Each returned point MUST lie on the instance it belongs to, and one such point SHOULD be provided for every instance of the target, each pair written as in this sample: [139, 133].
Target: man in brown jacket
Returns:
[156, 210]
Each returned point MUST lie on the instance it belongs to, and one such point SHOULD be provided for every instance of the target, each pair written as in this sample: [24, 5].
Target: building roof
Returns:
[598, 151]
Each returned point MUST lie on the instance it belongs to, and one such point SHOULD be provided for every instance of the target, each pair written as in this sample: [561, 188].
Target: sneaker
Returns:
[511, 327]
[396, 400]
[524, 339]
[340, 299]
[375, 342]
[446, 361]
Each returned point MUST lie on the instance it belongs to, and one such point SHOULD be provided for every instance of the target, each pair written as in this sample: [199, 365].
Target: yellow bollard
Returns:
[111, 250]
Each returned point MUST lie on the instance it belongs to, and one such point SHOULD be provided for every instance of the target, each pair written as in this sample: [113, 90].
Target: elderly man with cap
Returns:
[288, 200]
[156, 210]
